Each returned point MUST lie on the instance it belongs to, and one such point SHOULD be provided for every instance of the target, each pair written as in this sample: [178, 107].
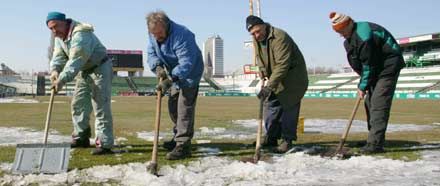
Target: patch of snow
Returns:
[17, 100]
[203, 141]
[291, 169]
[337, 126]
[120, 140]
[207, 151]
[149, 136]
[18, 135]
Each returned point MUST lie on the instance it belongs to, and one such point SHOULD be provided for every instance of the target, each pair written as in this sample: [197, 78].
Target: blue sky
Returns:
[24, 37]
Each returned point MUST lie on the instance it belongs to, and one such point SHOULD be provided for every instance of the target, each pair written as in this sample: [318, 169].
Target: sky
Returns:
[24, 37]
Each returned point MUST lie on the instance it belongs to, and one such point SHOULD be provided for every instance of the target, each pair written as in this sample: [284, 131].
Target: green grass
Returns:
[135, 114]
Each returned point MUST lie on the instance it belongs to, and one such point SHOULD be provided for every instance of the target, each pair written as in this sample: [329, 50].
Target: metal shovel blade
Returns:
[41, 158]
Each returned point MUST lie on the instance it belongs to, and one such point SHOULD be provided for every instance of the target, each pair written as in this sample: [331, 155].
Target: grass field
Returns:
[135, 114]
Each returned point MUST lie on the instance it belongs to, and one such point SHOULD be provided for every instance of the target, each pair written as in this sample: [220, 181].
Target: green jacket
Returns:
[81, 50]
[284, 66]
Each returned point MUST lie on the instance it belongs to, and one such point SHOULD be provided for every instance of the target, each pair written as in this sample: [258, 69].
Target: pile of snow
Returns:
[17, 100]
[292, 169]
[13, 136]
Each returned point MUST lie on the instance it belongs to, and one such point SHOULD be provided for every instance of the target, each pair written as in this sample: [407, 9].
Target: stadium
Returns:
[420, 79]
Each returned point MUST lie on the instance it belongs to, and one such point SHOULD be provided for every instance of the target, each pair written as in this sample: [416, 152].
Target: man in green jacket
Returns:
[374, 54]
[280, 62]
[78, 51]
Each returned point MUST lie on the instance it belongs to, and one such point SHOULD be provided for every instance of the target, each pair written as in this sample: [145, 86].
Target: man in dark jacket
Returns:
[374, 54]
[175, 57]
[280, 62]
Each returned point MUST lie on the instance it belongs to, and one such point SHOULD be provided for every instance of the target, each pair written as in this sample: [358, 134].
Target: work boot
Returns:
[181, 151]
[80, 143]
[371, 149]
[169, 145]
[101, 151]
[283, 147]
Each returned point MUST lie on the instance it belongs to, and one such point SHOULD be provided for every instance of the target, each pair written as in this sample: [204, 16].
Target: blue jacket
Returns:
[179, 54]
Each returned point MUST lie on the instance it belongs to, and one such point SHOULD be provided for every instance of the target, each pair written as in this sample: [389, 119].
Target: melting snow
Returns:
[17, 100]
[292, 169]
[13, 136]
[338, 126]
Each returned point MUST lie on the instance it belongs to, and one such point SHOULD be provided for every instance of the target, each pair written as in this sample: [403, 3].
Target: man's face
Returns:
[259, 32]
[159, 32]
[59, 28]
[347, 31]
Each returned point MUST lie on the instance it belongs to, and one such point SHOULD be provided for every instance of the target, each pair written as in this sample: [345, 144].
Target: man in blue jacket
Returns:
[374, 54]
[174, 56]
[77, 51]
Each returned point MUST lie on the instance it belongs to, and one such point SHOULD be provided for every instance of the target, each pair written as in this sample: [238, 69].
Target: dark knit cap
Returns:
[252, 20]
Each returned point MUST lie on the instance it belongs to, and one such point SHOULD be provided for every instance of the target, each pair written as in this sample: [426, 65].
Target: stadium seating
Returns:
[411, 80]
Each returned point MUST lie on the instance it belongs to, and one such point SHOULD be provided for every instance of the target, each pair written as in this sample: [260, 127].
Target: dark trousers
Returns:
[280, 122]
[181, 107]
[378, 105]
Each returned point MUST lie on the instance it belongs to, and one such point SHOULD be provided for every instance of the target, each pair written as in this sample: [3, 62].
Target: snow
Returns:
[13, 136]
[17, 100]
[337, 126]
[249, 127]
[291, 169]
[211, 169]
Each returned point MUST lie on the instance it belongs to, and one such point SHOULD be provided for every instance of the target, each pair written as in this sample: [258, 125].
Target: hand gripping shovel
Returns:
[257, 154]
[152, 167]
[42, 158]
[341, 152]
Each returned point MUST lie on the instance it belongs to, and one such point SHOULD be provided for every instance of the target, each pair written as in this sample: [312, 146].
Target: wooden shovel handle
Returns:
[48, 116]
[157, 124]
[350, 121]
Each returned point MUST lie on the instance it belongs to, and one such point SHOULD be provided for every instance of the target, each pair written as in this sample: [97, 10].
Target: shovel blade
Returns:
[41, 158]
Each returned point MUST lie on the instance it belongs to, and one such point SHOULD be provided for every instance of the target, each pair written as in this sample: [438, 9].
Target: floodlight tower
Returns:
[251, 12]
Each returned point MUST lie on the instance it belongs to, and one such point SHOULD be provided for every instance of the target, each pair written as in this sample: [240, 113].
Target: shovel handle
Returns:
[350, 121]
[48, 116]
[260, 127]
[157, 125]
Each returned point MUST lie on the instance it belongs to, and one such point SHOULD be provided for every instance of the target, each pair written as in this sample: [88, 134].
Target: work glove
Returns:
[164, 85]
[53, 76]
[161, 73]
[57, 85]
[264, 93]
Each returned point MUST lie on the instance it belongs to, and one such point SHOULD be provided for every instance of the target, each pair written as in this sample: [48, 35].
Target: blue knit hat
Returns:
[55, 16]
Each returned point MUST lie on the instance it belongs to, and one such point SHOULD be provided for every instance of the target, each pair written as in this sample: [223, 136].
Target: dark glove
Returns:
[164, 86]
[264, 93]
[161, 73]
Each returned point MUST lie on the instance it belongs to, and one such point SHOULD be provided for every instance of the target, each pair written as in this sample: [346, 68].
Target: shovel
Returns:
[42, 158]
[340, 151]
[152, 167]
[257, 154]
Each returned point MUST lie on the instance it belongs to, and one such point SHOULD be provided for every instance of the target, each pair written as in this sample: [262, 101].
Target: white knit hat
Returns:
[339, 21]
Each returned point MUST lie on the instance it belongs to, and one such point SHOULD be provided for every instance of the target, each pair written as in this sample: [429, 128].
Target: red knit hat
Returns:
[339, 21]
